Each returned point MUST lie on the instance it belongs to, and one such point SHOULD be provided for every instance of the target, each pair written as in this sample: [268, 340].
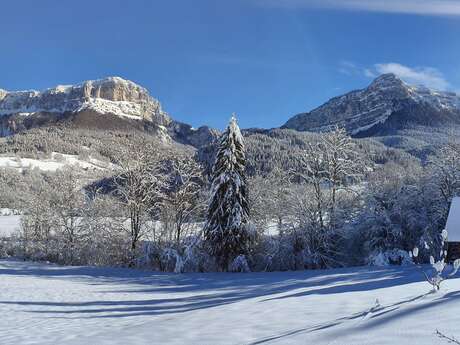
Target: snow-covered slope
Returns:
[387, 103]
[111, 95]
[45, 304]
[55, 162]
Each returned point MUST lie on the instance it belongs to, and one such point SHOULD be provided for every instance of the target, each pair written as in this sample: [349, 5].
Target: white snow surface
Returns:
[9, 225]
[453, 221]
[47, 304]
[121, 108]
[55, 162]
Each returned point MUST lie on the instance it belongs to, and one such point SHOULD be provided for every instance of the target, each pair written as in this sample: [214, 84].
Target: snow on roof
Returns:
[453, 221]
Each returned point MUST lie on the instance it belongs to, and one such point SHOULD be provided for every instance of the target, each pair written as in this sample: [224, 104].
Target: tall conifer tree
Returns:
[228, 211]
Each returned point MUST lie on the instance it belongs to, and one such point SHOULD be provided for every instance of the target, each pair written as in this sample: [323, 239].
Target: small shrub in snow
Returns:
[195, 257]
[3, 248]
[240, 264]
[172, 261]
[273, 253]
[189, 256]
[390, 257]
[438, 273]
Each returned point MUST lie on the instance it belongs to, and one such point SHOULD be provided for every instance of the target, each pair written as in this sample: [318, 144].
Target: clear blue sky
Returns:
[266, 60]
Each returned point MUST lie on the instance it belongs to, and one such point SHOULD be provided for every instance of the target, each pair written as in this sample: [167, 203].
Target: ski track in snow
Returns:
[49, 304]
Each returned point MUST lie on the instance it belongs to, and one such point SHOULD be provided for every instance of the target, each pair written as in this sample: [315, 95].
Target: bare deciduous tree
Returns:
[66, 201]
[342, 162]
[140, 184]
[314, 174]
[184, 203]
[447, 169]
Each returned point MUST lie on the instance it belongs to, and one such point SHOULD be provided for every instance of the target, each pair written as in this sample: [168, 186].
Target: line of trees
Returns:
[335, 206]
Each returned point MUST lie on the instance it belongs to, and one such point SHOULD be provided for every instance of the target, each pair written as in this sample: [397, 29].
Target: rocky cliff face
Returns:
[110, 103]
[106, 96]
[387, 104]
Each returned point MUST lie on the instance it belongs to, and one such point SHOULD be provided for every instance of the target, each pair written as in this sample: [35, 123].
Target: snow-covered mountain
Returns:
[112, 102]
[112, 95]
[386, 108]
[386, 105]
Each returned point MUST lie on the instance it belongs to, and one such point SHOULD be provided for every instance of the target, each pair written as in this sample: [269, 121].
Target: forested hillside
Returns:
[109, 189]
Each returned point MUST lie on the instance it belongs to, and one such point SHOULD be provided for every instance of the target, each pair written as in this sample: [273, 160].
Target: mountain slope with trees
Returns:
[285, 200]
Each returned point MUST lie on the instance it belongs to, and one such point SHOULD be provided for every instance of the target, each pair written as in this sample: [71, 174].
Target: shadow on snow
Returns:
[209, 289]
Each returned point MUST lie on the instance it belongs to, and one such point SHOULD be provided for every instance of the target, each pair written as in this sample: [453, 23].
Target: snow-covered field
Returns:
[47, 304]
[9, 225]
[55, 162]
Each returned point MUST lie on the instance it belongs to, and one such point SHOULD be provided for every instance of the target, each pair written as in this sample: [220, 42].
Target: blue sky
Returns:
[266, 60]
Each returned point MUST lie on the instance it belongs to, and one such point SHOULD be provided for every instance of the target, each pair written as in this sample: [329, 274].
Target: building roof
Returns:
[453, 221]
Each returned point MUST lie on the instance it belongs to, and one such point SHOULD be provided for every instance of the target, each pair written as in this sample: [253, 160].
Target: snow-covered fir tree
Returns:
[226, 231]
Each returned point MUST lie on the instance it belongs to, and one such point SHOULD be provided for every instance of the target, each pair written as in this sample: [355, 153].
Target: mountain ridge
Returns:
[387, 106]
[360, 111]
[108, 95]
[108, 103]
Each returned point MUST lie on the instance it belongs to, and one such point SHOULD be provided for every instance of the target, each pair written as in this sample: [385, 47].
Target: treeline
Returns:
[282, 201]
[104, 145]
[265, 150]
[152, 201]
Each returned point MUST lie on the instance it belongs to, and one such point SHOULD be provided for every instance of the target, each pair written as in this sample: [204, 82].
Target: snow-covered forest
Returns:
[336, 202]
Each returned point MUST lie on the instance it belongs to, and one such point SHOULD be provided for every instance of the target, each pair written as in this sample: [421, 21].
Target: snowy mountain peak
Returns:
[116, 83]
[388, 80]
[111, 95]
[108, 103]
[388, 103]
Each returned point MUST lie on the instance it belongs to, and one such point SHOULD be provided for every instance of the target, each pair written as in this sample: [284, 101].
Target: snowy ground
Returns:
[45, 304]
[9, 225]
[55, 162]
